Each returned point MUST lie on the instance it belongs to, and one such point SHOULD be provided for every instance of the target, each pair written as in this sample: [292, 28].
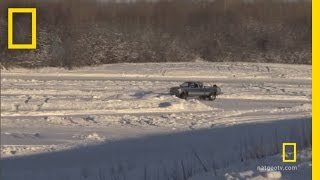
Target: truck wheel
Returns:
[212, 96]
[183, 95]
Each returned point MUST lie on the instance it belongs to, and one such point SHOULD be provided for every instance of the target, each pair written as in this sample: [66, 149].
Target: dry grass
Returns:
[79, 32]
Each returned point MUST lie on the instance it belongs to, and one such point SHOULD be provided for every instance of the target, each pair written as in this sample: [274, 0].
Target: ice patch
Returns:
[165, 104]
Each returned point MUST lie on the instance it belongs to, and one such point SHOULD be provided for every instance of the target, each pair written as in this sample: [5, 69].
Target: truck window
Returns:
[184, 84]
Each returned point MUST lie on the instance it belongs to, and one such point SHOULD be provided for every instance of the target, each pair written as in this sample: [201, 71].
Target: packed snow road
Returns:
[54, 106]
[52, 110]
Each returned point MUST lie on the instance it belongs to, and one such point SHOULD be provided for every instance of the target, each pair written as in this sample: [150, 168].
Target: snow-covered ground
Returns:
[262, 169]
[119, 122]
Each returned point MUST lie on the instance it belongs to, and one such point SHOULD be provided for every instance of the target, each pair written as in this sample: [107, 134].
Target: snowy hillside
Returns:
[118, 121]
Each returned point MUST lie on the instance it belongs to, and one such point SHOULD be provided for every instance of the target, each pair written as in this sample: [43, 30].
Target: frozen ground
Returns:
[118, 121]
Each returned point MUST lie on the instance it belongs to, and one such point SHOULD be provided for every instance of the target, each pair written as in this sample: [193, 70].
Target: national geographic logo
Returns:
[11, 44]
[289, 152]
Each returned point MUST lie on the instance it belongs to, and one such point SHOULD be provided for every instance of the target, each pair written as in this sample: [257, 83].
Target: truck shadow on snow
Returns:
[163, 156]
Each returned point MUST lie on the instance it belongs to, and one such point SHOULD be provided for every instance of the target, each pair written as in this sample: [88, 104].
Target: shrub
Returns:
[78, 32]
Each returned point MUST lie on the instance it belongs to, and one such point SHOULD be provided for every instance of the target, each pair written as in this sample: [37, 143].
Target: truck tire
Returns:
[183, 95]
[212, 96]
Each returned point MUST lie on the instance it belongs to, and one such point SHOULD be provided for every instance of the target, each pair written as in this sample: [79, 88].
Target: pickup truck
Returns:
[192, 89]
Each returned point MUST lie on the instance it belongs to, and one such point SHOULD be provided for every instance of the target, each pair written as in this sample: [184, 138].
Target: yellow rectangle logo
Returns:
[284, 153]
[33, 44]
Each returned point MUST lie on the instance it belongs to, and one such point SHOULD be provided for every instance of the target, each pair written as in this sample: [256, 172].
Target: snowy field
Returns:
[118, 122]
